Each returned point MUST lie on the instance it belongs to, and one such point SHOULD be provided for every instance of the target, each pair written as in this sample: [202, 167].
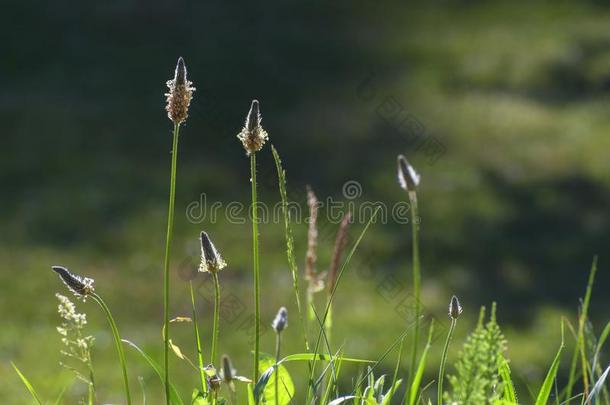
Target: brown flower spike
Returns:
[252, 135]
[80, 286]
[180, 94]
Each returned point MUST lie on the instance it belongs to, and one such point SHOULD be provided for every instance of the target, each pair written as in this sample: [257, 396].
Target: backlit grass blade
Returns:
[27, 384]
[547, 385]
[334, 290]
[417, 377]
[579, 349]
[174, 396]
[598, 386]
[507, 382]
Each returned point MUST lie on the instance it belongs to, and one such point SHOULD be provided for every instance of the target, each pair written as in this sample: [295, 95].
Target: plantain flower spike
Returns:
[281, 320]
[80, 286]
[180, 94]
[211, 261]
[227, 372]
[252, 135]
[407, 176]
[455, 309]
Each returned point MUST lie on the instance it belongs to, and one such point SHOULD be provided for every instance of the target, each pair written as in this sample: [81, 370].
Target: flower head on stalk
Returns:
[407, 176]
[281, 320]
[455, 309]
[80, 286]
[180, 94]
[252, 135]
[211, 261]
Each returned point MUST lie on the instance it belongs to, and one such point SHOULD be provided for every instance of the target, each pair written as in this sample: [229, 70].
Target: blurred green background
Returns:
[512, 211]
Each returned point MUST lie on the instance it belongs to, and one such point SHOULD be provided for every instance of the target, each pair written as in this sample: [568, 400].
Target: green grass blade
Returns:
[321, 357]
[394, 386]
[507, 382]
[600, 345]
[545, 390]
[337, 282]
[175, 397]
[61, 396]
[413, 392]
[27, 384]
[579, 349]
[372, 368]
[292, 263]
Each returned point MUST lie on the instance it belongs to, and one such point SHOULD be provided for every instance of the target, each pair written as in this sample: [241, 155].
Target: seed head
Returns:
[455, 309]
[252, 135]
[80, 286]
[211, 261]
[340, 242]
[407, 176]
[180, 94]
[281, 320]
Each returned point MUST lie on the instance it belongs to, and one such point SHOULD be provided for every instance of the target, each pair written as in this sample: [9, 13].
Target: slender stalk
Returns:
[396, 369]
[91, 390]
[278, 342]
[216, 315]
[441, 372]
[257, 313]
[168, 243]
[416, 277]
[204, 386]
[117, 342]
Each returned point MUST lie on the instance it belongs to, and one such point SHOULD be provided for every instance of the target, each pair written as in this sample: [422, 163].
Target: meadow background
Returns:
[512, 212]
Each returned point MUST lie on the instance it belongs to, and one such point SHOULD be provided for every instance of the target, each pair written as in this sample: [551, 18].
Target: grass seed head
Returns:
[340, 243]
[281, 320]
[407, 176]
[455, 309]
[180, 94]
[252, 135]
[211, 261]
[80, 286]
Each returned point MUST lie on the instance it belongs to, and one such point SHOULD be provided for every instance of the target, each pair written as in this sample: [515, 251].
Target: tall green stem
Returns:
[216, 315]
[117, 342]
[168, 243]
[278, 342]
[204, 386]
[416, 277]
[257, 313]
[441, 372]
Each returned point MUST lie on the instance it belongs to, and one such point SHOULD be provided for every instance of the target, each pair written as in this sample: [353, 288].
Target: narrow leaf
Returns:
[27, 384]
[545, 390]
